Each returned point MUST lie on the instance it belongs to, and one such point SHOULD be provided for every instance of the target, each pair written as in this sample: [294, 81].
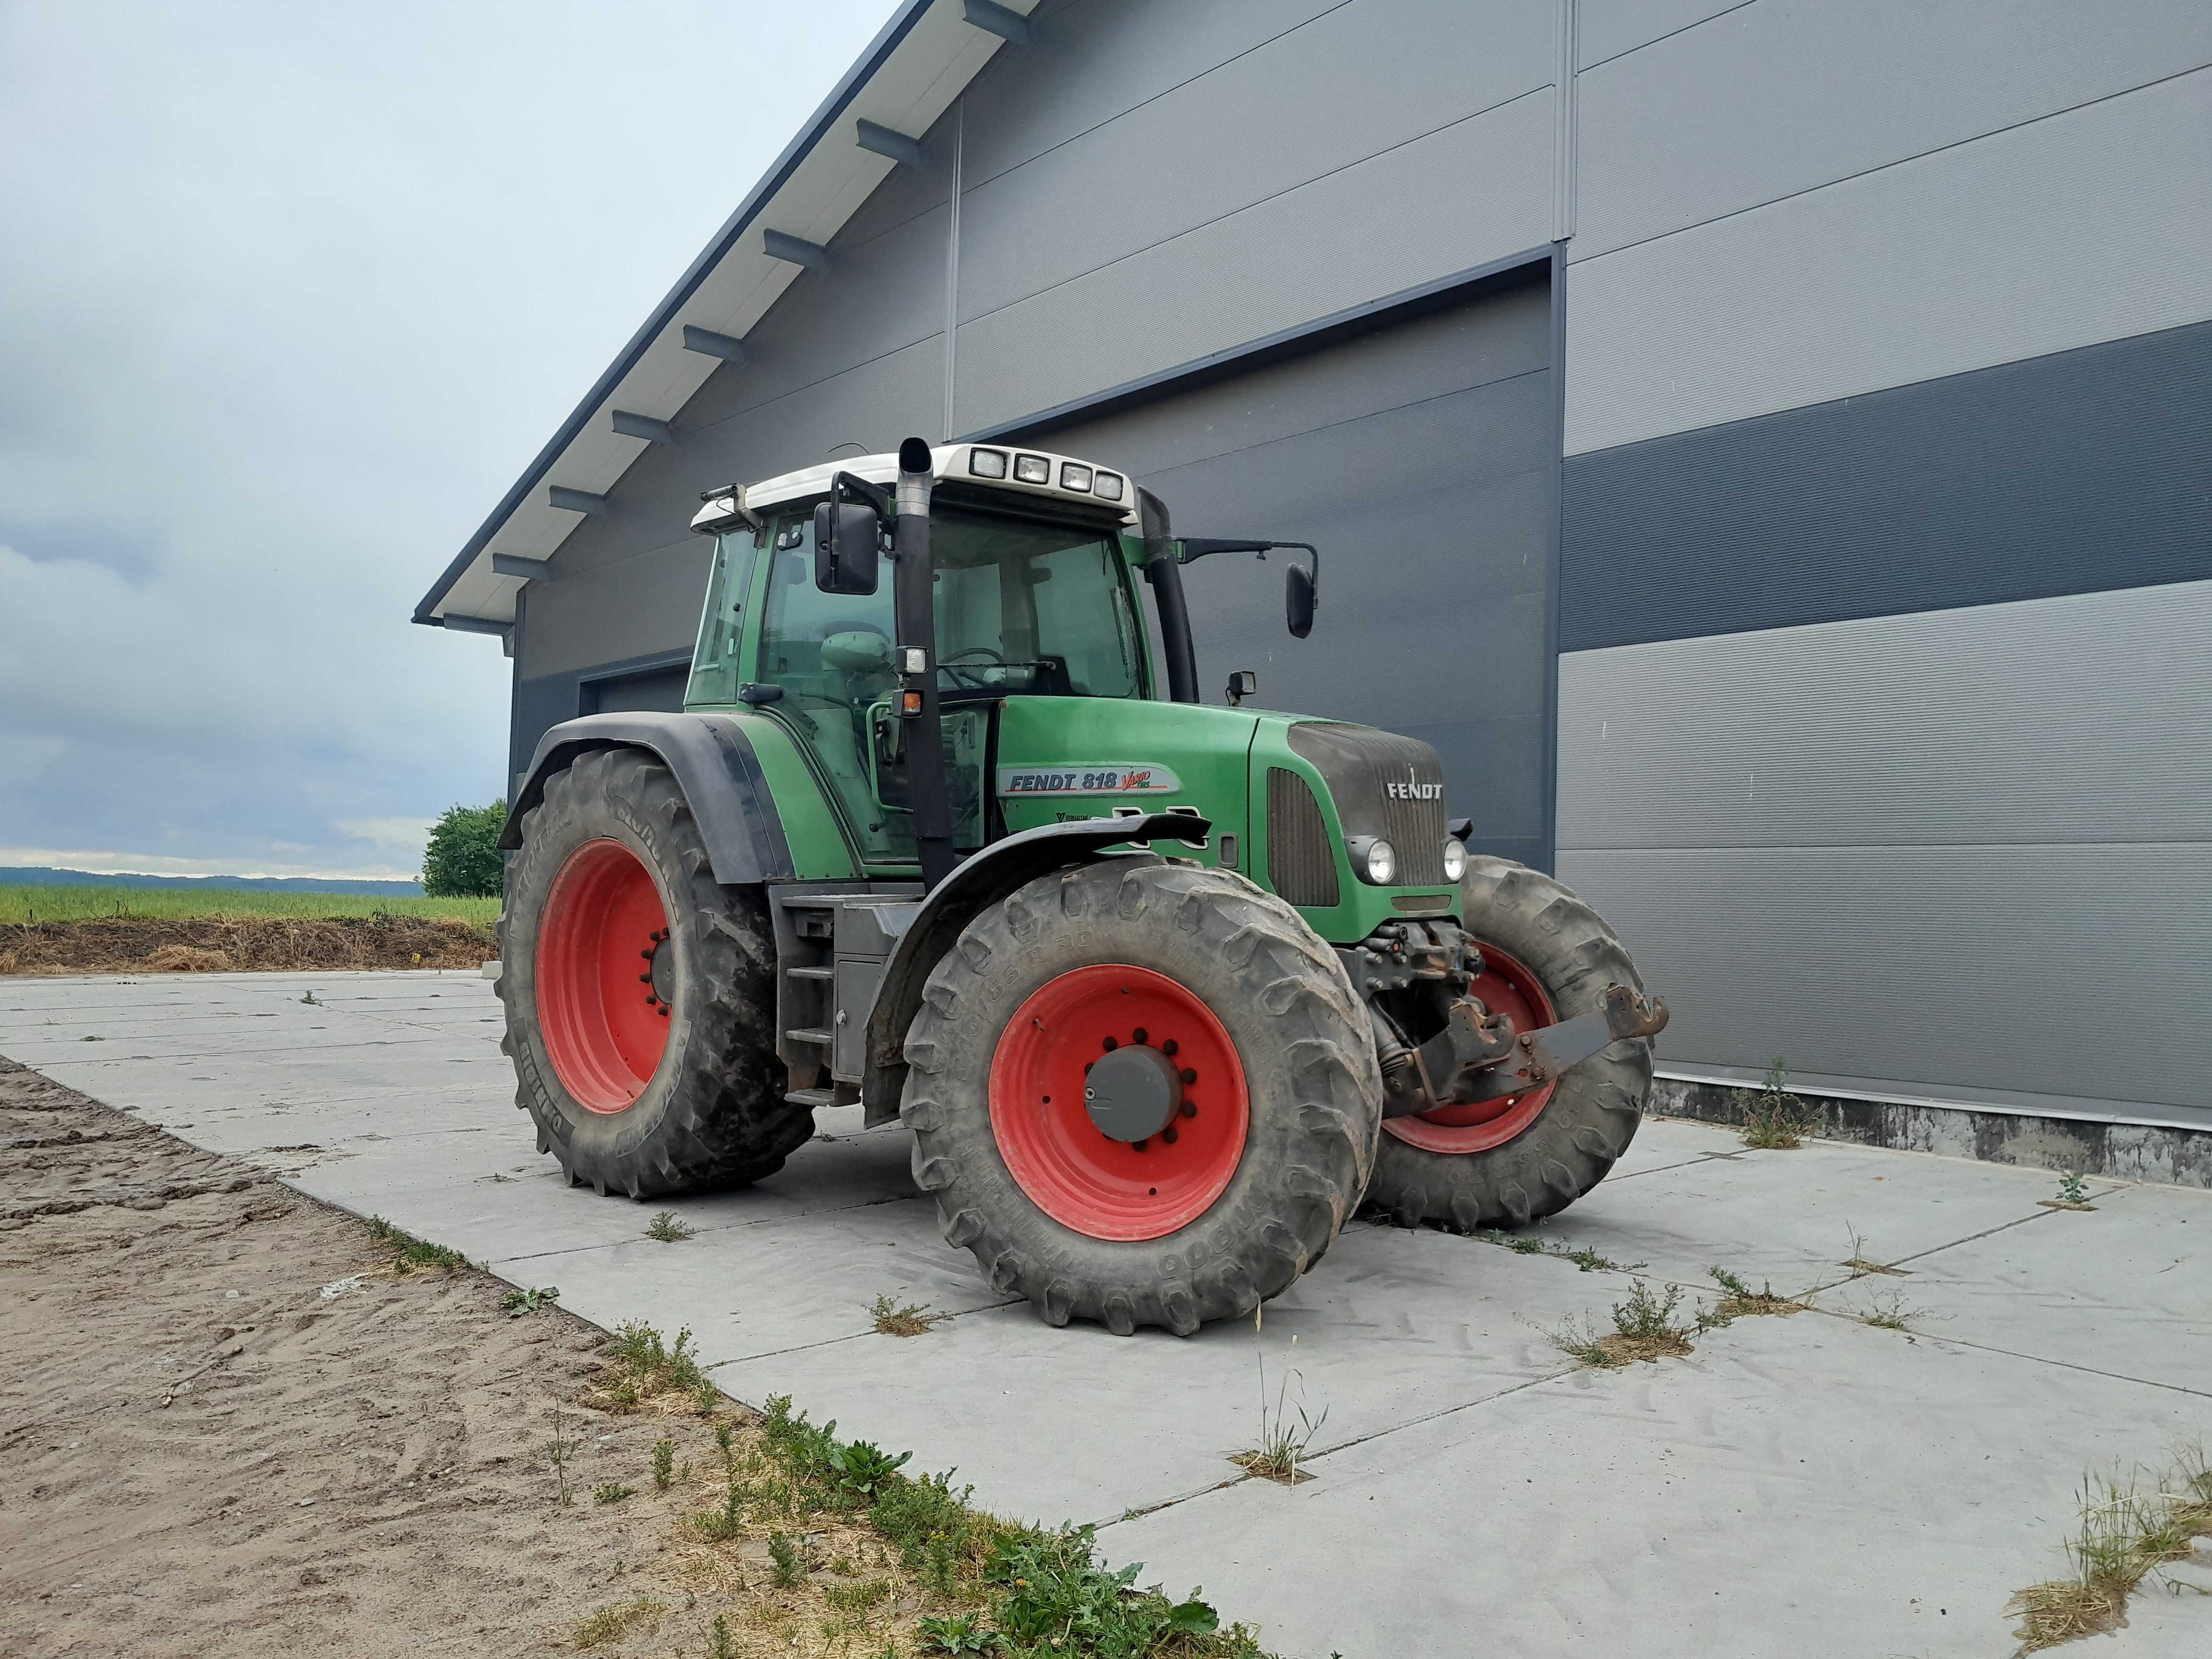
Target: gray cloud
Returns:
[288, 295]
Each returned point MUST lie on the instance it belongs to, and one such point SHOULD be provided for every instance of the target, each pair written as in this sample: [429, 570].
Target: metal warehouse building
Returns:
[1765, 445]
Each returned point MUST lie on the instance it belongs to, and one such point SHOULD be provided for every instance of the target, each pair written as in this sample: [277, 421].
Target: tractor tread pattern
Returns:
[1595, 1109]
[1314, 1092]
[717, 1116]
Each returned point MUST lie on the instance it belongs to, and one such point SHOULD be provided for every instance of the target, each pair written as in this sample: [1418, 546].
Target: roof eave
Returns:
[840, 99]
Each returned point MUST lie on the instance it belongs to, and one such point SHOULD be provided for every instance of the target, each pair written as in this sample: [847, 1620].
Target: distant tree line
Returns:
[462, 860]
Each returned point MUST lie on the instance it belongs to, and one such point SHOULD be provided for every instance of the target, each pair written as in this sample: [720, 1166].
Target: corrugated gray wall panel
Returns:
[1607, 28]
[1420, 458]
[1094, 60]
[2090, 226]
[1368, 231]
[2071, 971]
[641, 606]
[1936, 849]
[1785, 95]
[2075, 720]
[2066, 474]
[1246, 132]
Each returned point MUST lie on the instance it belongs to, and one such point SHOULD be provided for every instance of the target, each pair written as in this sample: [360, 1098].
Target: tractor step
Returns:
[812, 1097]
[811, 973]
[809, 1033]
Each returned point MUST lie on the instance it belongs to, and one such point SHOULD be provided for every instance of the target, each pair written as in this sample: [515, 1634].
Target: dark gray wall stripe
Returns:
[2076, 472]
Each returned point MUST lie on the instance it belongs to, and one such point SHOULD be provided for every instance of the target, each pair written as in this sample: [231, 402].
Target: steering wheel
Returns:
[949, 664]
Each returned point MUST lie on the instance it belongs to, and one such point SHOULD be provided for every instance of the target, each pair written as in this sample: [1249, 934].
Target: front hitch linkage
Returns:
[1478, 1056]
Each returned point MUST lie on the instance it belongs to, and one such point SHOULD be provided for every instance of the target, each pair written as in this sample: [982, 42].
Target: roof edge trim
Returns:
[841, 97]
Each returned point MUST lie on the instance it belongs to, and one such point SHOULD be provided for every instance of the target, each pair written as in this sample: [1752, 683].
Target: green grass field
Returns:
[24, 904]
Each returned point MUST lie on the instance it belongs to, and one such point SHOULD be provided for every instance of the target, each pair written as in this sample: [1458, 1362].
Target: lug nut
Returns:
[1189, 1108]
[1137, 1035]
[1167, 1134]
[1189, 1075]
[1140, 1144]
[1111, 1045]
[1169, 1046]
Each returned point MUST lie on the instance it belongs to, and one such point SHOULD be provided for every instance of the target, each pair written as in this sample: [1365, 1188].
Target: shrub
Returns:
[462, 860]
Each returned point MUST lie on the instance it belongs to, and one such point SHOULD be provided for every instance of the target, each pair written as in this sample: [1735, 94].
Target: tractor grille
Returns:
[1301, 858]
[1360, 764]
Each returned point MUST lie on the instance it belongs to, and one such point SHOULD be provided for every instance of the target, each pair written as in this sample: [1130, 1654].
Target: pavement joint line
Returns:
[1143, 1510]
[725, 1227]
[832, 1341]
[2027, 1359]
[1935, 1249]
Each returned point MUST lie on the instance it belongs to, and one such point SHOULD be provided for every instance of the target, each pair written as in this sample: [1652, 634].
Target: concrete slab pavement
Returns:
[1807, 1484]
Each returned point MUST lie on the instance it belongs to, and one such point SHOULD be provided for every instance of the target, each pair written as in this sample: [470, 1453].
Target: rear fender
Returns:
[714, 764]
[976, 883]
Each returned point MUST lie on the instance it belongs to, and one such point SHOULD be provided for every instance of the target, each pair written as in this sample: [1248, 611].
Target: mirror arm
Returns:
[1198, 547]
[849, 487]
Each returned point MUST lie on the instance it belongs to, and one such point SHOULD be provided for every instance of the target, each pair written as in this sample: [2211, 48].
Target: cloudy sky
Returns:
[290, 291]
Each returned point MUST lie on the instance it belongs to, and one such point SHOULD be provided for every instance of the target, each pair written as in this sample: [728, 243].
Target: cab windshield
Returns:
[1024, 609]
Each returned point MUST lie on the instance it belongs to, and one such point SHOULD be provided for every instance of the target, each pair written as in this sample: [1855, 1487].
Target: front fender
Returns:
[714, 765]
[978, 882]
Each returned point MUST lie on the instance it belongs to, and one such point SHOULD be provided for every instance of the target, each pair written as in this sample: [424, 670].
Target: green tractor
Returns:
[1164, 991]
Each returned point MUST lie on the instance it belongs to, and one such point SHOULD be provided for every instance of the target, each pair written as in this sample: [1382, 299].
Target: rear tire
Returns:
[644, 1076]
[1263, 1010]
[1577, 1135]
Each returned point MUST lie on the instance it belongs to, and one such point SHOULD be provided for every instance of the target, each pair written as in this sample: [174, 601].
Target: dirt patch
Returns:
[220, 944]
[227, 1426]
[234, 1421]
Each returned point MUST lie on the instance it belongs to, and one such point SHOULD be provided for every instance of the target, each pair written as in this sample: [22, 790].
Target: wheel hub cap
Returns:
[1134, 1093]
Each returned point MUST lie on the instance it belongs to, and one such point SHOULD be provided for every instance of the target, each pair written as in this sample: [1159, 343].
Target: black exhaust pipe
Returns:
[914, 609]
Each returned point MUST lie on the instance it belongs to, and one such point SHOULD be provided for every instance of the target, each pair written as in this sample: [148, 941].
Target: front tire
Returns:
[640, 992]
[1204, 1219]
[1548, 958]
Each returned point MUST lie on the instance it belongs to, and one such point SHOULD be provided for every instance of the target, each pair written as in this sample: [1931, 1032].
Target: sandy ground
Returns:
[227, 1427]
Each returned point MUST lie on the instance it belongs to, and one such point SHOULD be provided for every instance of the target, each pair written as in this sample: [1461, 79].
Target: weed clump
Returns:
[1775, 1120]
[1741, 1301]
[1583, 1255]
[663, 1464]
[642, 1366]
[2125, 1534]
[412, 1254]
[1644, 1328]
[668, 1228]
[611, 1492]
[519, 1302]
[1282, 1444]
[608, 1623]
[914, 1319]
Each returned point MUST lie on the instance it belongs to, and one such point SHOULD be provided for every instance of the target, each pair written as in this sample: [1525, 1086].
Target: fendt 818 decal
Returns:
[1098, 778]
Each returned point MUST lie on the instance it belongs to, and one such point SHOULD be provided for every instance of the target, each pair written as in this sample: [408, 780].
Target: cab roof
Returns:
[1038, 473]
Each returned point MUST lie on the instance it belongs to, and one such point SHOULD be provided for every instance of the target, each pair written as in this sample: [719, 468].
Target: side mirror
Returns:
[847, 541]
[1242, 684]
[1298, 601]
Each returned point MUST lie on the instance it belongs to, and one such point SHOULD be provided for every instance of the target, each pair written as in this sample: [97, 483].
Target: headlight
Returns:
[1382, 862]
[1454, 859]
[1032, 469]
[987, 462]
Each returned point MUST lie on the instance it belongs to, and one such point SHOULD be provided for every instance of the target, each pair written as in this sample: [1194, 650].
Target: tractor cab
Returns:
[1032, 597]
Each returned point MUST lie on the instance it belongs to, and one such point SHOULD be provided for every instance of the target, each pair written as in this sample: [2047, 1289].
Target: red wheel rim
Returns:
[605, 1023]
[1071, 1169]
[1505, 987]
